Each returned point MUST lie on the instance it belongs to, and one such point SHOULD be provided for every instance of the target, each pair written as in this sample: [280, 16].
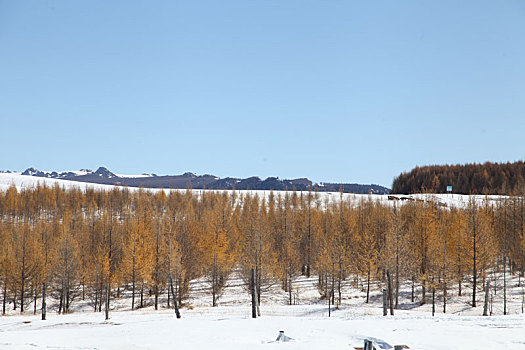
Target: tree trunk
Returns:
[35, 296]
[444, 294]
[397, 284]
[107, 301]
[423, 292]
[485, 305]
[44, 305]
[22, 292]
[61, 301]
[289, 289]
[413, 287]
[433, 300]
[169, 294]
[368, 285]
[142, 295]
[4, 302]
[329, 306]
[254, 299]
[339, 293]
[214, 282]
[177, 313]
[390, 300]
[474, 267]
[385, 311]
[156, 292]
[504, 285]
[133, 295]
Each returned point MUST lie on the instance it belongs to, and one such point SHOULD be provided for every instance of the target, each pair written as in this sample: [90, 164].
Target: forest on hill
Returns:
[72, 245]
[487, 178]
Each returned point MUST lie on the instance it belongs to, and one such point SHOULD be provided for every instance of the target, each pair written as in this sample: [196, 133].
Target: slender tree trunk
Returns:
[254, 299]
[169, 294]
[423, 292]
[142, 295]
[133, 294]
[485, 305]
[61, 301]
[339, 292]
[289, 289]
[175, 304]
[100, 296]
[444, 295]
[504, 285]
[329, 299]
[35, 296]
[258, 289]
[156, 292]
[214, 281]
[390, 301]
[385, 308]
[96, 300]
[309, 249]
[368, 285]
[4, 302]
[107, 301]
[413, 288]
[474, 267]
[22, 290]
[397, 283]
[433, 300]
[44, 305]
[459, 264]
[332, 290]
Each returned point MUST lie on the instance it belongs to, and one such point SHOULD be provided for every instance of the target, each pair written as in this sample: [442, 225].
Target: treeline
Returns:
[488, 178]
[94, 245]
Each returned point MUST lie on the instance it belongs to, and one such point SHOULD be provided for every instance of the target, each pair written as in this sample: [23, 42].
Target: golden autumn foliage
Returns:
[79, 243]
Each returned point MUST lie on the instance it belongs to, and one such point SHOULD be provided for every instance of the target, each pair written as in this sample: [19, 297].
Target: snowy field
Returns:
[229, 326]
[207, 328]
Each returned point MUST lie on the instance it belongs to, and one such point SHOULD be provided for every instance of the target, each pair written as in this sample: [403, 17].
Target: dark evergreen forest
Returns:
[486, 178]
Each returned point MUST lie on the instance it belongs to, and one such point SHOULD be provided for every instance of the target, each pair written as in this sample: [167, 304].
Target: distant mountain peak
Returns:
[104, 172]
[31, 171]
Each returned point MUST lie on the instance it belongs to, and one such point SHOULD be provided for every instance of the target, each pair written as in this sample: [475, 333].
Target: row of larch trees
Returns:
[71, 245]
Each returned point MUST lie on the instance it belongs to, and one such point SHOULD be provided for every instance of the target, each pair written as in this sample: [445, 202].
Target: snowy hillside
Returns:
[206, 181]
[447, 200]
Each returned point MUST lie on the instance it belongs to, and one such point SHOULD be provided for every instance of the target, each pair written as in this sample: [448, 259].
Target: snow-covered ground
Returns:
[216, 329]
[229, 326]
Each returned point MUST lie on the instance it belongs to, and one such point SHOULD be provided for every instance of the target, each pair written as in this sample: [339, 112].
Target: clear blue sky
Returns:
[332, 90]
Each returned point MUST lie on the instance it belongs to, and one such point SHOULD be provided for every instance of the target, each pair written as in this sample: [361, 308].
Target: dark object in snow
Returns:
[378, 344]
[282, 337]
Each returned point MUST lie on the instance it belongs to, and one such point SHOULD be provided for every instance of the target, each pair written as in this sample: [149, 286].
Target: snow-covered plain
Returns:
[216, 329]
[229, 326]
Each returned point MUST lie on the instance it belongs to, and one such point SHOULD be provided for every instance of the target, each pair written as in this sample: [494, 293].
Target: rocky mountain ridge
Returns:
[190, 180]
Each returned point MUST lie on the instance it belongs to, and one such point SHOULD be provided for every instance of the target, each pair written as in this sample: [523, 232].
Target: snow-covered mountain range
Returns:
[190, 180]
